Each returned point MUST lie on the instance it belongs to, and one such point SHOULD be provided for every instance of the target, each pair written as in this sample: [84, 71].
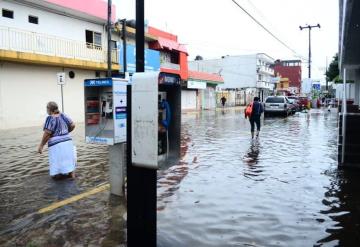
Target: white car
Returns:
[277, 105]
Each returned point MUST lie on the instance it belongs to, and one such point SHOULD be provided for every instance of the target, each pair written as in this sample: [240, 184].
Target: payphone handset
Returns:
[144, 119]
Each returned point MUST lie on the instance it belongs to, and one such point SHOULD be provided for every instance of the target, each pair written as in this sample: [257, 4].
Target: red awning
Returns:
[196, 75]
[162, 43]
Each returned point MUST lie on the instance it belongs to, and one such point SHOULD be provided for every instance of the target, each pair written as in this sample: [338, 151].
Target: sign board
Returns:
[144, 119]
[61, 78]
[196, 84]
[119, 103]
[152, 59]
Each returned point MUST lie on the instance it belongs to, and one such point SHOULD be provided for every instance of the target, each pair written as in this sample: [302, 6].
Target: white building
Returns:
[40, 38]
[251, 73]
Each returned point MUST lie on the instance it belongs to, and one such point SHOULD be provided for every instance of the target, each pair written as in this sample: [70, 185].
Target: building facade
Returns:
[250, 74]
[290, 69]
[39, 39]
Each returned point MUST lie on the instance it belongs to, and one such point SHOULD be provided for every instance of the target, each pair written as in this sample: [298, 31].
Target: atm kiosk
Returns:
[155, 119]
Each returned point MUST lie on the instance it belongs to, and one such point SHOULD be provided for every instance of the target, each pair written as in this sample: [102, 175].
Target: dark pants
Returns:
[255, 120]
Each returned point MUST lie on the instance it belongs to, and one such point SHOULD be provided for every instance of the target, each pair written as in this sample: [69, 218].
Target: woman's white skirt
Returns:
[62, 158]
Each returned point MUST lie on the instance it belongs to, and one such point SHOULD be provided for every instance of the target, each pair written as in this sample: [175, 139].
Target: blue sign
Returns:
[152, 59]
[103, 82]
[316, 87]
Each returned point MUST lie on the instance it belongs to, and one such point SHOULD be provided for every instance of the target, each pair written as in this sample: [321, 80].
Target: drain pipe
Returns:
[344, 111]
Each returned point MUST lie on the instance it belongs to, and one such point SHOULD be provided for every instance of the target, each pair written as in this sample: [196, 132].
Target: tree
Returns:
[198, 57]
[333, 71]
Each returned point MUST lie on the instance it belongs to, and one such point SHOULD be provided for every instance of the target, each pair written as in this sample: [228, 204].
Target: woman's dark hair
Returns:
[256, 99]
[53, 107]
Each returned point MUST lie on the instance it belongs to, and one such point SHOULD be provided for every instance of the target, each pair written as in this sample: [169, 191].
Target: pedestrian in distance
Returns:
[61, 150]
[253, 111]
[223, 101]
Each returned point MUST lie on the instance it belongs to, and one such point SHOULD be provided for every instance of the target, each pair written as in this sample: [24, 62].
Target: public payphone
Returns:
[155, 119]
[105, 110]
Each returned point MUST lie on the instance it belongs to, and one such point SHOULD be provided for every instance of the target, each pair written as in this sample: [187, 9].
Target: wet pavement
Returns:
[25, 187]
[283, 189]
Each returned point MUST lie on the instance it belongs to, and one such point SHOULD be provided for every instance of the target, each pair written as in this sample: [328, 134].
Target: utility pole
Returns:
[141, 182]
[309, 27]
[108, 29]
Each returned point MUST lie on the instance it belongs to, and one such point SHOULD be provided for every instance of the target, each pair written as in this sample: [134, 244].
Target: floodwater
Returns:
[283, 189]
[25, 187]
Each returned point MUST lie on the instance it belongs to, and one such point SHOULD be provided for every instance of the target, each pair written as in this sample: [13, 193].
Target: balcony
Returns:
[167, 65]
[69, 51]
[264, 84]
[265, 70]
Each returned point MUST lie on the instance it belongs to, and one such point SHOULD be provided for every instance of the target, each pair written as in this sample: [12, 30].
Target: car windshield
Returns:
[275, 100]
[291, 100]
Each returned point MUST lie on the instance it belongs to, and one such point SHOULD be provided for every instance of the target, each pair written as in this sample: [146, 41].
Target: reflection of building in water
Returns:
[342, 201]
[169, 179]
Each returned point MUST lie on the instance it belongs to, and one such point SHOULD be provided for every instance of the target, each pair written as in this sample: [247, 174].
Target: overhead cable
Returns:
[267, 30]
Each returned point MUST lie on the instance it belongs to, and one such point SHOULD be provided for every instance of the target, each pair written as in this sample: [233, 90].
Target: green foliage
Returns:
[333, 70]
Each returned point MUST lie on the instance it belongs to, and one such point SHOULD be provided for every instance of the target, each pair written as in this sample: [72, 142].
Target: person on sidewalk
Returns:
[223, 101]
[253, 112]
[61, 149]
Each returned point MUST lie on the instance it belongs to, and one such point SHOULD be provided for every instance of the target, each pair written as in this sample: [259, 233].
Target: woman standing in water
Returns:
[60, 145]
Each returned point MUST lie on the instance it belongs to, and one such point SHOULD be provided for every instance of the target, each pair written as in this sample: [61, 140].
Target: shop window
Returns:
[33, 19]
[8, 13]
[93, 39]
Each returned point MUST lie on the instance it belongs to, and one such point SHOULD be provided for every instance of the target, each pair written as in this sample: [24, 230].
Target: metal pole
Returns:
[124, 36]
[62, 99]
[309, 52]
[108, 29]
[141, 182]
[344, 111]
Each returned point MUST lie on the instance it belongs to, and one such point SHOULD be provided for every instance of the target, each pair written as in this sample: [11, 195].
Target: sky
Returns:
[214, 28]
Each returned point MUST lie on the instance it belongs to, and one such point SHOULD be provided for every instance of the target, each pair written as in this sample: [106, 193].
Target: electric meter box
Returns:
[155, 119]
[105, 110]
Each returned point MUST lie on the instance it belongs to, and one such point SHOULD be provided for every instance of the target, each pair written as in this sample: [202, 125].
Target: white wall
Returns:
[188, 99]
[26, 89]
[237, 71]
[49, 23]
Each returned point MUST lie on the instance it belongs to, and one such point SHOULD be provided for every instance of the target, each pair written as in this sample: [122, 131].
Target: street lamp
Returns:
[309, 27]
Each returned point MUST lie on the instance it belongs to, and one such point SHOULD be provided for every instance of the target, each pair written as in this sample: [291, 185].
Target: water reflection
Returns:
[342, 207]
[265, 192]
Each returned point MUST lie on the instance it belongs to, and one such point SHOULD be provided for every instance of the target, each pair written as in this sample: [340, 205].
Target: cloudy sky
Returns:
[213, 28]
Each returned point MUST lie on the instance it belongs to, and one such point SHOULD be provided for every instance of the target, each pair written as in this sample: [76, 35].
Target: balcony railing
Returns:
[168, 65]
[38, 43]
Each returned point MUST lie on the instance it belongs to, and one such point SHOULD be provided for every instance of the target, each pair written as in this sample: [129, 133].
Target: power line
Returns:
[267, 30]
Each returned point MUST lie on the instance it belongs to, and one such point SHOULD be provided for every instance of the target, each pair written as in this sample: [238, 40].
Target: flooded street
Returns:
[283, 189]
[26, 187]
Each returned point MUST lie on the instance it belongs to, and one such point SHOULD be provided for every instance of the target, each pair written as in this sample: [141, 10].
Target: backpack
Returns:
[248, 110]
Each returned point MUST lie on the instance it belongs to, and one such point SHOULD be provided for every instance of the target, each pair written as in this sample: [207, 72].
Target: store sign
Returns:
[196, 84]
[152, 59]
[168, 79]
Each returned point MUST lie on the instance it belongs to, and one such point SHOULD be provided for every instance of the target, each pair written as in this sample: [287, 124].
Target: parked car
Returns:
[294, 101]
[277, 105]
[303, 103]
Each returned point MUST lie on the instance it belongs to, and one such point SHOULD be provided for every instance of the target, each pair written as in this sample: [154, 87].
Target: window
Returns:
[113, 44]
[8, 13]
[33, 19]
[275, 100]
[93, 39]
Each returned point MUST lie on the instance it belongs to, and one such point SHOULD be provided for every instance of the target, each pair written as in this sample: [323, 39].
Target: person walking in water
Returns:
[61, 149]
[223, 101]
[253, 112]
